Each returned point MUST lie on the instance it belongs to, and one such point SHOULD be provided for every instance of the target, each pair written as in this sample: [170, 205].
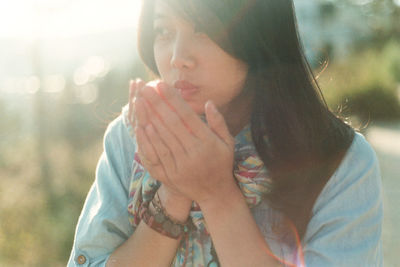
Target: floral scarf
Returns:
[196, 249]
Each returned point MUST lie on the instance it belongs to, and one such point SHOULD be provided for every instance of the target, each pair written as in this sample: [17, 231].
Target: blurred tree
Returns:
[383, 20]
[10, 125]
[40, 121]
[327, 10]
[373, 103]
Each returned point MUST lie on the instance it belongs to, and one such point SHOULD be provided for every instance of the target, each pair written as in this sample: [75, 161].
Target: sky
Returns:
[29, 19]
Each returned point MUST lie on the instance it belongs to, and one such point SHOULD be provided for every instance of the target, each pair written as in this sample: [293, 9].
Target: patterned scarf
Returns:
[196, 249]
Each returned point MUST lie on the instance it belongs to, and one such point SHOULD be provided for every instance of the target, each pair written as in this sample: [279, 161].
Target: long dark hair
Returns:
[300, 141]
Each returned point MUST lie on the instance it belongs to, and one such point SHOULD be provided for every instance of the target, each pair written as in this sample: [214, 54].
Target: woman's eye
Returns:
[196, 28]
[198, 31]
[161, 32]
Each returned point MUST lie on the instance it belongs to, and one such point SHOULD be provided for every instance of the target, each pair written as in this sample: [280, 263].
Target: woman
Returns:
[232, 158]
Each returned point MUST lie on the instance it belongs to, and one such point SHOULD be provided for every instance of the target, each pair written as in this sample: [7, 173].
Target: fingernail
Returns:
[153, 83]
[162, 86]
[212, 106]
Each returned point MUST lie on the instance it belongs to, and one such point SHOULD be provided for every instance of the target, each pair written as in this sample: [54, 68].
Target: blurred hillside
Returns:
[58, 94]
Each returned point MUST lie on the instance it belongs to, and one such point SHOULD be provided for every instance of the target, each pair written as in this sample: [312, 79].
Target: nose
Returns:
[182, 55]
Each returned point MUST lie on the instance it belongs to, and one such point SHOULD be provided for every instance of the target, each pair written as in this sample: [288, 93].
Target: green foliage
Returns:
[37, 221]
[366, 84]
[373, 103]
[10, 124]
[38, 210]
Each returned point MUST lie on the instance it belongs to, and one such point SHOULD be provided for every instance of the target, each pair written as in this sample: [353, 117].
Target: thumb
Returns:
[217, 123]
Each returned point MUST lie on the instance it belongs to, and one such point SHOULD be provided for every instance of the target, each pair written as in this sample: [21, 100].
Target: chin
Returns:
[199, 111]
[197, 107]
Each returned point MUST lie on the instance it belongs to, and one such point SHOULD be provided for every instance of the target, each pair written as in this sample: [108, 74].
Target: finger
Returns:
[162, 150]
[217, 123]
[141, 112]
[132, 87]
[169, 117]
[136, 96]
[171, 141]
[156, 170]
[184, 111]
[139, 85]
[190, 119]
[145, 147]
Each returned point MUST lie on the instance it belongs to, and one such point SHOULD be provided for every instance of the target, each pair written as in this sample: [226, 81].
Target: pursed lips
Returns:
[185, 88]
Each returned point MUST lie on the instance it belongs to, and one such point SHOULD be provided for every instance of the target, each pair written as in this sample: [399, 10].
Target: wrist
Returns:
[226, 197]
[175, 204]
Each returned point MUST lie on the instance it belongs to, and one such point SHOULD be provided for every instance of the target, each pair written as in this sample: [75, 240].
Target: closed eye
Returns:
[162, 32]
[197, 29]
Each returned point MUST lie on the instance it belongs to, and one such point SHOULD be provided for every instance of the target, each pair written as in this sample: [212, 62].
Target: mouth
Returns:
[185, 88]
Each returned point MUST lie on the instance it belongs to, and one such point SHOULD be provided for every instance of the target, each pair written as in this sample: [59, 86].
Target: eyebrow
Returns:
[160, 16]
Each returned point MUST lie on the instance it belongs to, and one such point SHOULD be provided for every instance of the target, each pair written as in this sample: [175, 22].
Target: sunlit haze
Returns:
[29, 19]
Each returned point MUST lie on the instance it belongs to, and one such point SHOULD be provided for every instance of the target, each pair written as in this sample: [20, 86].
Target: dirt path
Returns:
[385, 138]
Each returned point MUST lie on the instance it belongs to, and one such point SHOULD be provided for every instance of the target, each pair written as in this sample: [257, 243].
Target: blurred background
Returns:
[65, 66]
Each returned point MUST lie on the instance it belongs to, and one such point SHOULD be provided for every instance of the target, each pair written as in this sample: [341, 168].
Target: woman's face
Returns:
[194, 64]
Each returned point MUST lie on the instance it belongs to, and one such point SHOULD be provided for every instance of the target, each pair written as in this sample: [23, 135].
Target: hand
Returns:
[147, 154]
[196, 158]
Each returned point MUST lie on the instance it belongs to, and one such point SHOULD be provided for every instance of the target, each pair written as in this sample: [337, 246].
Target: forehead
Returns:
[163, 9]
[176, 9]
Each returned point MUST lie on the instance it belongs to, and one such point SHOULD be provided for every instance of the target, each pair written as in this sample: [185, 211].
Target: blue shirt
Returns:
[345, 228]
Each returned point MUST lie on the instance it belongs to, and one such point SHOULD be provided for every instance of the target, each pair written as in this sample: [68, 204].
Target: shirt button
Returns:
[81, 259]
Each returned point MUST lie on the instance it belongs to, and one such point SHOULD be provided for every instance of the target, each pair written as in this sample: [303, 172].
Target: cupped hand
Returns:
[194, 158]
[147, 153]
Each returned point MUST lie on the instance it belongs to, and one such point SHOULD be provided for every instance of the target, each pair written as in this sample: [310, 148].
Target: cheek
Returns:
[229, 71]
[230, 80]
[162, 59]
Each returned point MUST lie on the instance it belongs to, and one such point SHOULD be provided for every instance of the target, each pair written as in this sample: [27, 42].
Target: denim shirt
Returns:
[345, 228]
